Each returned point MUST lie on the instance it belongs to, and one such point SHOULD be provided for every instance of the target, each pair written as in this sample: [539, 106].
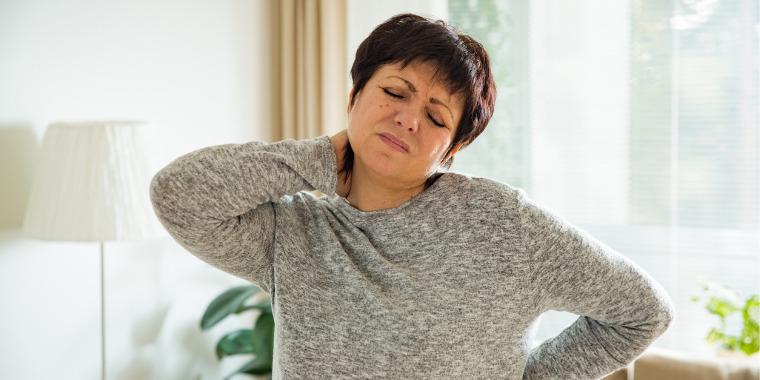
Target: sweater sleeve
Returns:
[621, 309]
[217, 202]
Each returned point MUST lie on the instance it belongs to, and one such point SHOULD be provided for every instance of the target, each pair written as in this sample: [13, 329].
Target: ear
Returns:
[350, 101]
[453, 151]
[448, 159]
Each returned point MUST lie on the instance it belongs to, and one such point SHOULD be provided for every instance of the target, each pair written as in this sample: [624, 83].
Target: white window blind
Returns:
[637, 120]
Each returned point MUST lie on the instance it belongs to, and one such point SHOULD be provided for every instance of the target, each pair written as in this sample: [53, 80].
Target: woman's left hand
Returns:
[340, 143]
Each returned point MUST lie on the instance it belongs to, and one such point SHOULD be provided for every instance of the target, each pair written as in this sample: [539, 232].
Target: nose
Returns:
[407, 118]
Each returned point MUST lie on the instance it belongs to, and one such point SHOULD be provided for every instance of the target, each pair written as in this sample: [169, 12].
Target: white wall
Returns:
[364, 16]
[198, 72]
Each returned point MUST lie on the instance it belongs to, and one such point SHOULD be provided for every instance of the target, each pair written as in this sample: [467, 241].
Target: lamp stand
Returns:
[102, 315]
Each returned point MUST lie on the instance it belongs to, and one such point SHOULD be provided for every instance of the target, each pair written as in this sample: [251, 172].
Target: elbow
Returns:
[165, 197]
[157, 191]
[643, 333]
[659, 313]
[161, 197]
[665, 316]
[665, 311]
[654, 316]
[659, 318]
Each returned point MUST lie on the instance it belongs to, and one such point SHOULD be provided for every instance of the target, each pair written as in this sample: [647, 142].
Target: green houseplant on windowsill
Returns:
[723, 302]
[258, 341]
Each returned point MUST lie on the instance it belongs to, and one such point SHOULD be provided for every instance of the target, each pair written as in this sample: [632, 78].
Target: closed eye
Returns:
[434, 121]
[397, 96]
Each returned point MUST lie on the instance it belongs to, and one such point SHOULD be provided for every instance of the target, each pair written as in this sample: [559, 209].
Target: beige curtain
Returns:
[310, 60]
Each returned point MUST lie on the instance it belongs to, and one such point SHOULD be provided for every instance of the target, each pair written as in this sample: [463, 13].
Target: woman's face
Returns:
[402, 123]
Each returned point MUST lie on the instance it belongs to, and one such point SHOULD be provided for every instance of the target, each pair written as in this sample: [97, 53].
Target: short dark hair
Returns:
[459, 60]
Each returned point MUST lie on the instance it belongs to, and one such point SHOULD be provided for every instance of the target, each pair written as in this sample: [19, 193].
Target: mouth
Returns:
[394, 142]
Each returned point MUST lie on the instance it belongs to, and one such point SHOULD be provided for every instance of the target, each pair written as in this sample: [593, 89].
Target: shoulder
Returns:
[482, 198]
[486, 190]
[495, 198]
[479, 190]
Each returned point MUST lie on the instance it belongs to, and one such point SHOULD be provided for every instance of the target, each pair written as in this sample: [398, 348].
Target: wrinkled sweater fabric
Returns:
[449, 285]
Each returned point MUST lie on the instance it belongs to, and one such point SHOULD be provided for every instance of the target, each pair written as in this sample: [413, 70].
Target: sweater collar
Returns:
[415, 204]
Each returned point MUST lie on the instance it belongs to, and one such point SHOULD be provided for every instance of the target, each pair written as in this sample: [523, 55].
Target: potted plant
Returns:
[723, 302]
[258, 341]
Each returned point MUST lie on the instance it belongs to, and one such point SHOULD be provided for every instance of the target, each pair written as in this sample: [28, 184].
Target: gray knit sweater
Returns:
[449, 285]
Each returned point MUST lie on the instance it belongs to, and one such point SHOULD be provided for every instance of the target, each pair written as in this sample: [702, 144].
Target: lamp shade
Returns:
[91, 184]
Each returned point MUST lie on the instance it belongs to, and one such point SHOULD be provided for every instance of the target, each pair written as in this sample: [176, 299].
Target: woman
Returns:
[403, 271]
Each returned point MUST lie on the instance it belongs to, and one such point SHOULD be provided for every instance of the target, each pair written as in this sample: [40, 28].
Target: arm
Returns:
[622, 309]
[217, 202]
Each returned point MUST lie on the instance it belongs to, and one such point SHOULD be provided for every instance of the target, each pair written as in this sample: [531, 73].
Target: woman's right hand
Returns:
[340, 143]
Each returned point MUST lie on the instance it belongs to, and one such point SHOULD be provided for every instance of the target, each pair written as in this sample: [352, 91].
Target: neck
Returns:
[370, 193]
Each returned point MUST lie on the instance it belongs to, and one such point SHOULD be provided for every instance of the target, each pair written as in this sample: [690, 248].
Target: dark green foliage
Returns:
[230, 302]
[258, 341]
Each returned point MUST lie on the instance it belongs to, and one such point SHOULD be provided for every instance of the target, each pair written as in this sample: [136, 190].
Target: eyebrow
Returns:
[432, 100]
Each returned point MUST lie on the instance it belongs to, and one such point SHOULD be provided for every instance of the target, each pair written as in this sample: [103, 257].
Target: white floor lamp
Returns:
[91, 184]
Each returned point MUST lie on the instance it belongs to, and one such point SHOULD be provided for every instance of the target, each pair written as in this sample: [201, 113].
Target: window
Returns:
[638, 121]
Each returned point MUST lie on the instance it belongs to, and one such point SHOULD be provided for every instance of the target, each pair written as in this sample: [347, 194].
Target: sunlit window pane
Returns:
[638, 121]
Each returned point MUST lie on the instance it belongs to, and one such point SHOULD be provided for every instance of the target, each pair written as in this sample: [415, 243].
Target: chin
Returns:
[384, 169]
[382, 166]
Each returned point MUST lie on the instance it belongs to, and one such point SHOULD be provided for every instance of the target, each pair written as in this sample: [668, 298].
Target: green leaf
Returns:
[236, 342]
[731, 343]
[253, 367]
[750, 347]
[263, 338]
[752, 310]
[750, 342]
[714, 336]
[229, 302]
[265, 306]
[720, 308]
[723, 300]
